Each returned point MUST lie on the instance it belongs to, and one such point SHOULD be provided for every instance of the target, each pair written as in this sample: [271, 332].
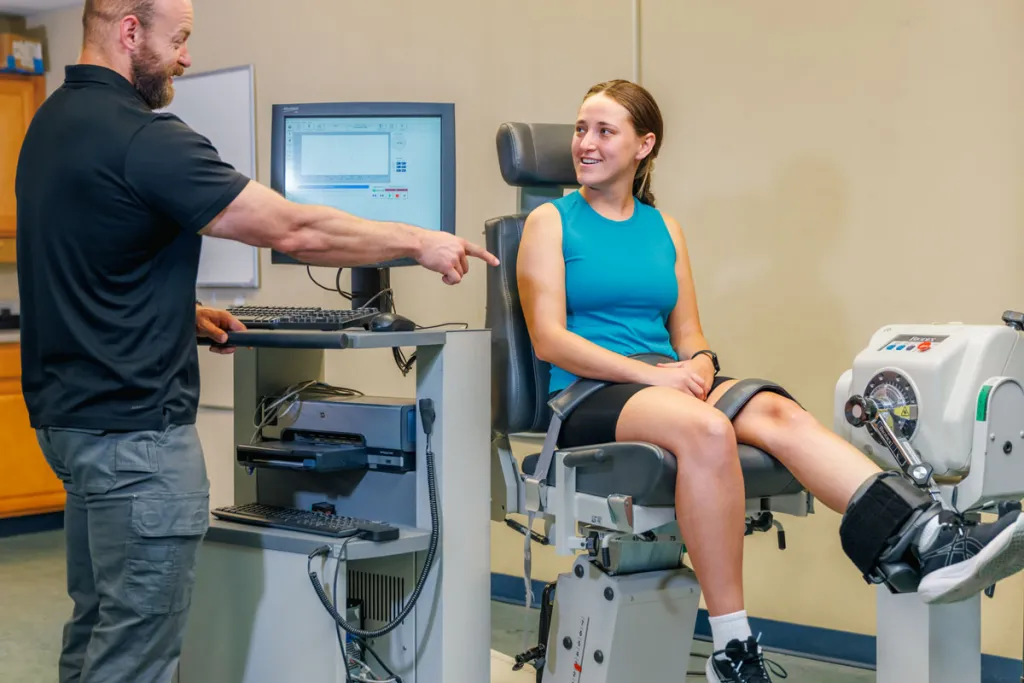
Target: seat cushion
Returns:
[647, 473]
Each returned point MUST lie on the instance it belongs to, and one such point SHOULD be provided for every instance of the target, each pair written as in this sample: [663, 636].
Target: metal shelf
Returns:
[410, 540]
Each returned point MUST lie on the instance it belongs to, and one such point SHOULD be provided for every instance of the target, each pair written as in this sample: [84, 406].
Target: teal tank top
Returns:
[620, 280]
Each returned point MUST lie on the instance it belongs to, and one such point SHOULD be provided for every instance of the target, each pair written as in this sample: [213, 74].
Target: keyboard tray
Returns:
[303, 456]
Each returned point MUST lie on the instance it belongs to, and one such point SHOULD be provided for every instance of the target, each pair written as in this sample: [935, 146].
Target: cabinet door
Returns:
[27, 484]
[20, 96]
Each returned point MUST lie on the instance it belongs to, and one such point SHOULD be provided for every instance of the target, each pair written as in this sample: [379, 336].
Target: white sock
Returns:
[928, 534]
[729, 627]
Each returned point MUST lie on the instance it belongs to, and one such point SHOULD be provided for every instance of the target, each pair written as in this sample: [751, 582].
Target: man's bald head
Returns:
[143, 40]
[100, 16]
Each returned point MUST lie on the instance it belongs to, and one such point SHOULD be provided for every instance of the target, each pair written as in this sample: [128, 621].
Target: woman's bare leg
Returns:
[833, 470]
[829, 467]
[710, 505]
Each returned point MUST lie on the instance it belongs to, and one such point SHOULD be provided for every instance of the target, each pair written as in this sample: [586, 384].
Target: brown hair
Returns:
[646, 118]
[99, 12]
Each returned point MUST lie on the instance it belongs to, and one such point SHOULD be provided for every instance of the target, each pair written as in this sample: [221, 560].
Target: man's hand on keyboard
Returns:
[215, 324]
[447, 254]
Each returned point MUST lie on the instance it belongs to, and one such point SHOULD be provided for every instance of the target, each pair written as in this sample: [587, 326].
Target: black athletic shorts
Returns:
[595, 420]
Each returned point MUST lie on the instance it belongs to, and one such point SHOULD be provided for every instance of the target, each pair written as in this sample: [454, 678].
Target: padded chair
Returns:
[611, 502]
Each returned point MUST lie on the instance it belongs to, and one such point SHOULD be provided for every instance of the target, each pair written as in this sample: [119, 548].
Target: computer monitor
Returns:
[387, 161]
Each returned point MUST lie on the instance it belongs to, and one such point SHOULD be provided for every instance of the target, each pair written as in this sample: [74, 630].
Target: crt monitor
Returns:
[387, 161]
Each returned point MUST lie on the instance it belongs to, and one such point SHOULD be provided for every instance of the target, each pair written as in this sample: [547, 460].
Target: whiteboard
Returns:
[221, 106]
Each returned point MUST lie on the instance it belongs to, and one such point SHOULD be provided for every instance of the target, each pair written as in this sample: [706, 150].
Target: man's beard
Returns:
[153, 80]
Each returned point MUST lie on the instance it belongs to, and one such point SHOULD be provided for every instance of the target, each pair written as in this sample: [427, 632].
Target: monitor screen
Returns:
[384, 168]
[385, 162]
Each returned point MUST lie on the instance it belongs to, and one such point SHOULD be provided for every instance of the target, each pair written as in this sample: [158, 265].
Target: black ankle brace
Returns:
[882, 519]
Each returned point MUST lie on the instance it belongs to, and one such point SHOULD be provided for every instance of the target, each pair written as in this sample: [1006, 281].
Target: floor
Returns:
[34, 605]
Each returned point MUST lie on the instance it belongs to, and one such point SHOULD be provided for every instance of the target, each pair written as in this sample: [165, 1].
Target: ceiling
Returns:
[34, 6]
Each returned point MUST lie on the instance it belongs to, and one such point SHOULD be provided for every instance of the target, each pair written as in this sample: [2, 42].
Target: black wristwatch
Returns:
[710, 354]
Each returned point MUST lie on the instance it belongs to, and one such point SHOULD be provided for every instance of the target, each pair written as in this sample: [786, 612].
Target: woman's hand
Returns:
[692, 377]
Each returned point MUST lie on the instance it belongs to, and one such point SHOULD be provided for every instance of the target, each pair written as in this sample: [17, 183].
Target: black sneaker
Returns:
[965, 558]
[741, 662]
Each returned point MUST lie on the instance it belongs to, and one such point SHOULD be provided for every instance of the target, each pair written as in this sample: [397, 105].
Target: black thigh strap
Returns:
[733, 401]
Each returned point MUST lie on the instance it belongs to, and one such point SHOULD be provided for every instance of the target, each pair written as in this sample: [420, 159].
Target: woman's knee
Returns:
[684, 425]
[774, 422]
[707, 436]
[780, 412]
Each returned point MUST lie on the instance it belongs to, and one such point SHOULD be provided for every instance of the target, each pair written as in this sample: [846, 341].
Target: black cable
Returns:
[310, 274]
[427, 415]
[465, 326]
[311, 389]
[337, 284]
[359, 641]
[389, 299]
[337, 628]
[386, 305]
[388, 671]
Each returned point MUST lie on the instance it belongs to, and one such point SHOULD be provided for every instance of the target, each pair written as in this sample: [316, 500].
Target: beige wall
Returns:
[836, 167]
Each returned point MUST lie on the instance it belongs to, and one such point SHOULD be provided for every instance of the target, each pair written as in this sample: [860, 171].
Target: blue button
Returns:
[900, 347]
[890, 347]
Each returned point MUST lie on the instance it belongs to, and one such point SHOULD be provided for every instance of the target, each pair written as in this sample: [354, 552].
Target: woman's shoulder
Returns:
[668, 223]
[556, 213]
[546, 219]
[568, 205]
[661, 216]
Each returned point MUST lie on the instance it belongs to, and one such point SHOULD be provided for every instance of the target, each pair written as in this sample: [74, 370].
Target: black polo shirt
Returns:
[111, 197]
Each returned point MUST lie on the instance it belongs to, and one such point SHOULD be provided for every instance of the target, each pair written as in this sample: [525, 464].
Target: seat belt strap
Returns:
[547, 453]
[540, 477]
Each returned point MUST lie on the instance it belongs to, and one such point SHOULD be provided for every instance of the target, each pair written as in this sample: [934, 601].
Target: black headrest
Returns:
[536, 154]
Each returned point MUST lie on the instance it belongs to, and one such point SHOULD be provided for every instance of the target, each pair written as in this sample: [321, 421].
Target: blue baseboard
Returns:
[31, 524]
[839, 647]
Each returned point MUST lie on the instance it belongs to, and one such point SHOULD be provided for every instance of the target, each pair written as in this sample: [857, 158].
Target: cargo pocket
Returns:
[161, 553]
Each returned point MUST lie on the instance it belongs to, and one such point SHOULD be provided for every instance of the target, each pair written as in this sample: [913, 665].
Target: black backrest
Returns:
[537, 158]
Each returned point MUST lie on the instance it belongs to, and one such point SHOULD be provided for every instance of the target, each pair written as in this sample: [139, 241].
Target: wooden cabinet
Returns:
[20, 96]
[27, 484]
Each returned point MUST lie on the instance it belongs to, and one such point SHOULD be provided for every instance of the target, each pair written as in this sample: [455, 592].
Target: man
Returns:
[113, 200]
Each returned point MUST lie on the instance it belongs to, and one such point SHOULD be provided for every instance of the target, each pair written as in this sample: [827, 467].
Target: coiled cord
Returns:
[427, 415]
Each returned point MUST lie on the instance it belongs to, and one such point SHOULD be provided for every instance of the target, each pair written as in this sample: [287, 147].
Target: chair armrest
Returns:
[570, 398]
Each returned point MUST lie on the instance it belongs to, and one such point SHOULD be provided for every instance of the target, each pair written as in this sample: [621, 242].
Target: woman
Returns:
[603, 275]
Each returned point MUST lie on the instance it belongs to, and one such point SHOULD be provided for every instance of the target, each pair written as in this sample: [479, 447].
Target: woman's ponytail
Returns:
[642, 182]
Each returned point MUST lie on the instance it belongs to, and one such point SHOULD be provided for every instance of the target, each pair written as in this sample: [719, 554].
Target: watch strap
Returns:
[710, 354]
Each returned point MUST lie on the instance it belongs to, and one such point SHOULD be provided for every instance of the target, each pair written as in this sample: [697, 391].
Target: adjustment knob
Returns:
[860, 410]
[1014, 319]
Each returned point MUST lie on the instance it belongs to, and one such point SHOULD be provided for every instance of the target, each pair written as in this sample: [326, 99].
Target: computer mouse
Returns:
[391, 322]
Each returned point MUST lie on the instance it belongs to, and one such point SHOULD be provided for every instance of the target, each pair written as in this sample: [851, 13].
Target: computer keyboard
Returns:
[307, 521]
[302, 317]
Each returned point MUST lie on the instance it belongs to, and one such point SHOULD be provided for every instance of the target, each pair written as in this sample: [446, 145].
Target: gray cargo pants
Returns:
[137, 509]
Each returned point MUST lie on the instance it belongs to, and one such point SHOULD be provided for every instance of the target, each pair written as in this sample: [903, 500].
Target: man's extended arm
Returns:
[321, 235]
